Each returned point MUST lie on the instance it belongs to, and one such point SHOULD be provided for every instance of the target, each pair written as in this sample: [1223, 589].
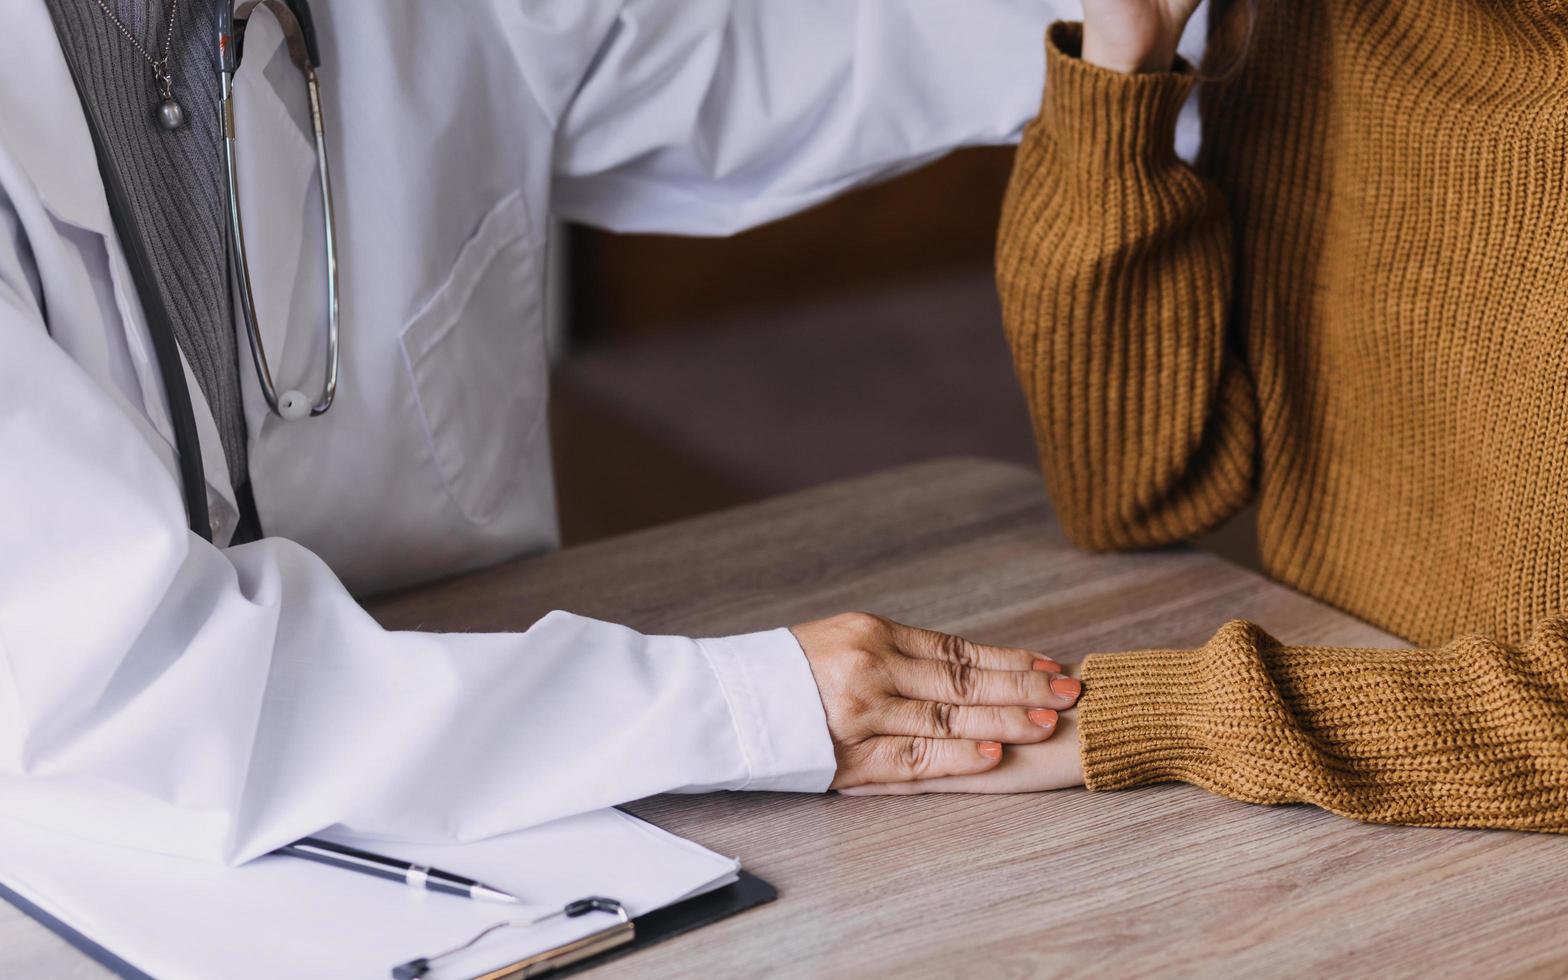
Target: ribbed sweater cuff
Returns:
[1228, 716]
[1105, 119]
[1471, 735]
[1140, 719]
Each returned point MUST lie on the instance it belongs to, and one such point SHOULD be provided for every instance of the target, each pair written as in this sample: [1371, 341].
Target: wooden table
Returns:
[1164, 880]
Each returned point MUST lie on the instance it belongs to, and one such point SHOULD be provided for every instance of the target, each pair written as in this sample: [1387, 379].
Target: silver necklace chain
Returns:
[160, 66]
[169, 113]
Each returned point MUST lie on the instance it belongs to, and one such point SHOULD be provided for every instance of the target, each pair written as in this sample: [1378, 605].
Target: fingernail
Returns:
[991, 750]
[1067, 687]
[1044, 717]
[1049, 666]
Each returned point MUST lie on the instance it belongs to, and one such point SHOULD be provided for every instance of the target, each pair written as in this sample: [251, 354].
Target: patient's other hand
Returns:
[1134, 35]
[909, 704]
[1024, 769]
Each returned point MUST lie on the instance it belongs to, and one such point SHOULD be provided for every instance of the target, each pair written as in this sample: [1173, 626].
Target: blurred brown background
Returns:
[703, 373]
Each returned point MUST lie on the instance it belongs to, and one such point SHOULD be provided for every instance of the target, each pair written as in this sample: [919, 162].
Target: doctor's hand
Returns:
[1024, 769]
[908, 704]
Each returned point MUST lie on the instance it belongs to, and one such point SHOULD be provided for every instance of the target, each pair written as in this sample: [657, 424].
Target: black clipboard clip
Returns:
[619, 933]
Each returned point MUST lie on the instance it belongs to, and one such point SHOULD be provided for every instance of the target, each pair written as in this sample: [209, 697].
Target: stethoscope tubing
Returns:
[166, 351]
[290, 405]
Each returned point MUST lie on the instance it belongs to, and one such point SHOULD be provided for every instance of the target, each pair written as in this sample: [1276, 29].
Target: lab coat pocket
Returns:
[475, 353]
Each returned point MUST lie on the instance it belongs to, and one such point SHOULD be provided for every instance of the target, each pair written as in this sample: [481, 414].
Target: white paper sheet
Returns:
[281, 916]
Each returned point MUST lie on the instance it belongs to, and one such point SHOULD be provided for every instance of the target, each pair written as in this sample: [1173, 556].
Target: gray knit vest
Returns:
[174, 179]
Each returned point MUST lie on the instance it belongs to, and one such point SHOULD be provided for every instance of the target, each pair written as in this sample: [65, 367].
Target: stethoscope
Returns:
[299, 36]
[294, 18]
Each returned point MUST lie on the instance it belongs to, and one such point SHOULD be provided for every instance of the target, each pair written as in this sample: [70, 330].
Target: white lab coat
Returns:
[169, 693]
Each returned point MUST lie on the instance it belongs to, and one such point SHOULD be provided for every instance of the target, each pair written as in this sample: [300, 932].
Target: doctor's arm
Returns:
[159, 692]
[709, 116]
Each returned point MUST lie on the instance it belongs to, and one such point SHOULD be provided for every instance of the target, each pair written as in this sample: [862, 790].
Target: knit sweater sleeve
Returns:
[1472, 734]
[1114, 266]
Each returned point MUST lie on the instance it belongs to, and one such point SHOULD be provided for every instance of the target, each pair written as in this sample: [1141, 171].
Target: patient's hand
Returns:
[1134, 35]
[1024, 769]
[908, 704]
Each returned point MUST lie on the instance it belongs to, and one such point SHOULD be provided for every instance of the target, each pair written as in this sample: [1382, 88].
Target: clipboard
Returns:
[746, 892]
[79, 942]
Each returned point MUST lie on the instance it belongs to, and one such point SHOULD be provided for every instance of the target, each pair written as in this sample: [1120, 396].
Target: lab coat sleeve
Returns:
[159, 692]
[709, 116]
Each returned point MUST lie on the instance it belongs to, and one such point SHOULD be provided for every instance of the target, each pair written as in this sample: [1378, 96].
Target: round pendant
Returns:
[170, 115]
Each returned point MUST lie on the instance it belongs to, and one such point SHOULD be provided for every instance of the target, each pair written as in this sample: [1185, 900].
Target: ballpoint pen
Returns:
[413, 875]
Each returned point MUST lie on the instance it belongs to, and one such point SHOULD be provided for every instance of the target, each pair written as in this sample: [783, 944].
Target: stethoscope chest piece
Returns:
[293, 405]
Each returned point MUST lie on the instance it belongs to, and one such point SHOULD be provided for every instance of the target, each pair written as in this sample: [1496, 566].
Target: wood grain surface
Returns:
[1160, 881]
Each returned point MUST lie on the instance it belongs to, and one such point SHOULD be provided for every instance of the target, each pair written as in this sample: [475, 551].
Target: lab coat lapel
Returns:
[45, 136]
[45, 133]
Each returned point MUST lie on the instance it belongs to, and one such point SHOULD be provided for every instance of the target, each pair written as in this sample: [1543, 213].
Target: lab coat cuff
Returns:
[778, 714]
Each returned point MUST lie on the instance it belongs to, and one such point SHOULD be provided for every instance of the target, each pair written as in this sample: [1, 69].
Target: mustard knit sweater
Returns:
[1354, 310]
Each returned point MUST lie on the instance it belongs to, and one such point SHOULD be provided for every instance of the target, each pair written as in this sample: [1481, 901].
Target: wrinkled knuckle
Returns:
[942, 719]
[914, 757]
[956, 649]
[963, 680]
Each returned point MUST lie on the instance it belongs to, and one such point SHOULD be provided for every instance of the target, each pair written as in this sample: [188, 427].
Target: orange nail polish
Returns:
[1044, 717]
[1067, 687]
[991, 750]
[1049, 666]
